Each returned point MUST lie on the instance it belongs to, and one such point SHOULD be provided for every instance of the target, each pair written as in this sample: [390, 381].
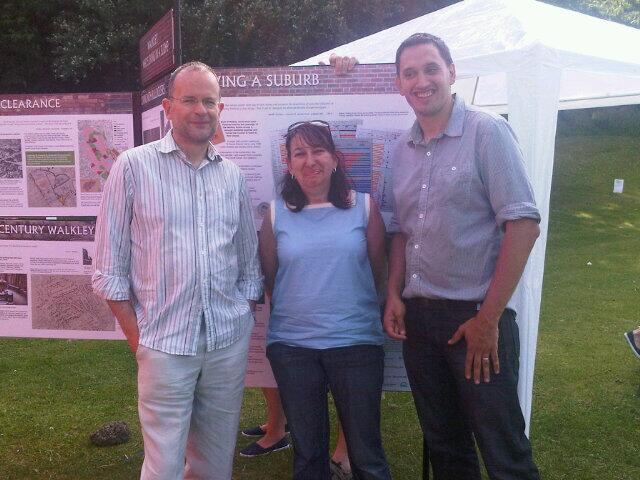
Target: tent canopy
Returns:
[527, 59]
[600, 60]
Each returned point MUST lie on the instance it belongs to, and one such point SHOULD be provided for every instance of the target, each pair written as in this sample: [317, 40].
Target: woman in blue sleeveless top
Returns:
[322, 250]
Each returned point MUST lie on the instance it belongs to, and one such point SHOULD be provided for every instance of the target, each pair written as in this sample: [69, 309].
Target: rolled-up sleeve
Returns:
[113, 234]
[246, 242]
[503, 173]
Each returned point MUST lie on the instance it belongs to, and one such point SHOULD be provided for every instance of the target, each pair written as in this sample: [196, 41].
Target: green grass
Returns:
[586, 415]
[55, 393]
[586, 410]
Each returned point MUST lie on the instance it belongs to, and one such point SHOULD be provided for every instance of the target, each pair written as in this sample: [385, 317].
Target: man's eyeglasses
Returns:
[192, 102]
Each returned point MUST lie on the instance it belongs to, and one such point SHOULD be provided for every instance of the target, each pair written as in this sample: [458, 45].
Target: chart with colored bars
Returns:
[367, 155]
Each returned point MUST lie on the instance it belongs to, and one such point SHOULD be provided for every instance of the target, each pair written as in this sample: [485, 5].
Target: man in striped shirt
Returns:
[177, 263]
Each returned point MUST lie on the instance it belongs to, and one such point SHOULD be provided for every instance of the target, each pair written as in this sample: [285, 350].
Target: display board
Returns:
[46, 265]
[366, 115]
[56, 150]
[154, 125]
[159, 49]
[45, 280]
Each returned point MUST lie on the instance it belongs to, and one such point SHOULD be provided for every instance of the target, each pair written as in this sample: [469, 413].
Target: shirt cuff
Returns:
[393, 226]
[517, 211]
[250, 289]
[110, 287]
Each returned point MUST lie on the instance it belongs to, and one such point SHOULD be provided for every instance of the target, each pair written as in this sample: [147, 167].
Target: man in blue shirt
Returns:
[465, 222]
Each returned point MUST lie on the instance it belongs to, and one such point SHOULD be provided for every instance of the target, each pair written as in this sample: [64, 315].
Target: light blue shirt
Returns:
[180, 243]
[324, 294]
[452, 196]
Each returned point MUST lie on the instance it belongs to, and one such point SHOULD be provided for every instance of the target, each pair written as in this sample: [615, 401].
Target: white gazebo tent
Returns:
[528, 59]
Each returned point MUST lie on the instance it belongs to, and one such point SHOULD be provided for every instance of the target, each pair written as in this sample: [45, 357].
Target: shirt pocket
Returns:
[223, 207]
[451, 184]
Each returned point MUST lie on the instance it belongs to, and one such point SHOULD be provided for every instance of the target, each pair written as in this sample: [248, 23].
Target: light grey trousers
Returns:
[189, 409]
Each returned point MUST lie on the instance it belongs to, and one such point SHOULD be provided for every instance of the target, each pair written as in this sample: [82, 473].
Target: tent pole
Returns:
[533, 97]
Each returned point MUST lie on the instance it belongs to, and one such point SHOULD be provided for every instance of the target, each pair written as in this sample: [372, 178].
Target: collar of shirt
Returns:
[454, 126]
[169, 145]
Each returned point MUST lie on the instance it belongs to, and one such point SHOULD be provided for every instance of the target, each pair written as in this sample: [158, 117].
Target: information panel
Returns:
[154, 125]
[45, 281]
[366, 115]
[56, 151]
[46, 266]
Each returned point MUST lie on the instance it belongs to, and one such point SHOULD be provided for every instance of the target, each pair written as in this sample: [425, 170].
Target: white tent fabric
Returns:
[527, 59]
[490, 38]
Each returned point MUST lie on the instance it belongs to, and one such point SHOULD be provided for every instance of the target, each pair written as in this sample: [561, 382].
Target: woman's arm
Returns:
[375, 245]
[267, 248]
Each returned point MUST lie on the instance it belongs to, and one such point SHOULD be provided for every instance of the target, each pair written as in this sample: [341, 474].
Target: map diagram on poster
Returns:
[48, 185]
[97, 153]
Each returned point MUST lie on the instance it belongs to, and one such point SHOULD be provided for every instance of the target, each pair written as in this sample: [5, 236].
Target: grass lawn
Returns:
[586, 405]
[586, 411]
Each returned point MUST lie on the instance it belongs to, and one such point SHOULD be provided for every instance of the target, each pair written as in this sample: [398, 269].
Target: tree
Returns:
[92, 45]
[95, 42]
[25, 29]
[622, 11]
[261, 32]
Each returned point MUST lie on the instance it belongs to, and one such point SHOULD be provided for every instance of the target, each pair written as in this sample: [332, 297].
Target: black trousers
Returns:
[453, 410]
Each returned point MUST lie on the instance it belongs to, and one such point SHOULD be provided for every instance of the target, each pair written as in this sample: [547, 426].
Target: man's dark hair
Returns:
[340, 189]
[424, 39]
[186, 66]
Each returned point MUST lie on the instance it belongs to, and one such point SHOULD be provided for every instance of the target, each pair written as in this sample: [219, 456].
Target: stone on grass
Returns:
[112, 433]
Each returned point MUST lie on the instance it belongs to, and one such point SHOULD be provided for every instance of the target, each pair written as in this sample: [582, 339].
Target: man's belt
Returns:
[443, 303]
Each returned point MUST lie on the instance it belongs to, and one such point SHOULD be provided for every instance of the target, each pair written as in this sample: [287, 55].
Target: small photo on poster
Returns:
[10, 158]
[86, 258]
[13, 289]
[66, 302]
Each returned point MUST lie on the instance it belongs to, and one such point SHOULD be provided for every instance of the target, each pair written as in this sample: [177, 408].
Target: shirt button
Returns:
[453, 168]
[416, 246]
[428, 154]
[421, 215]
[424, 186]
[415, 275]
[202, 252]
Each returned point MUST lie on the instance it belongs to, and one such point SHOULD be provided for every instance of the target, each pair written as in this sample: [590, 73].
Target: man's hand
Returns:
[481, 331]
[133, 340]
[393, 320]
[126, 316]
[481, 336]
[342, 65]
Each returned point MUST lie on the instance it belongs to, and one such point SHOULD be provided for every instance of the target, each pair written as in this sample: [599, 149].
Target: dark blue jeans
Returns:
[453, 410]
[354, 375]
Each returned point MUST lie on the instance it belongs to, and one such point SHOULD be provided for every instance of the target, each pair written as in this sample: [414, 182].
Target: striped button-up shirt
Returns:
[178, 242]
[452, 197]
